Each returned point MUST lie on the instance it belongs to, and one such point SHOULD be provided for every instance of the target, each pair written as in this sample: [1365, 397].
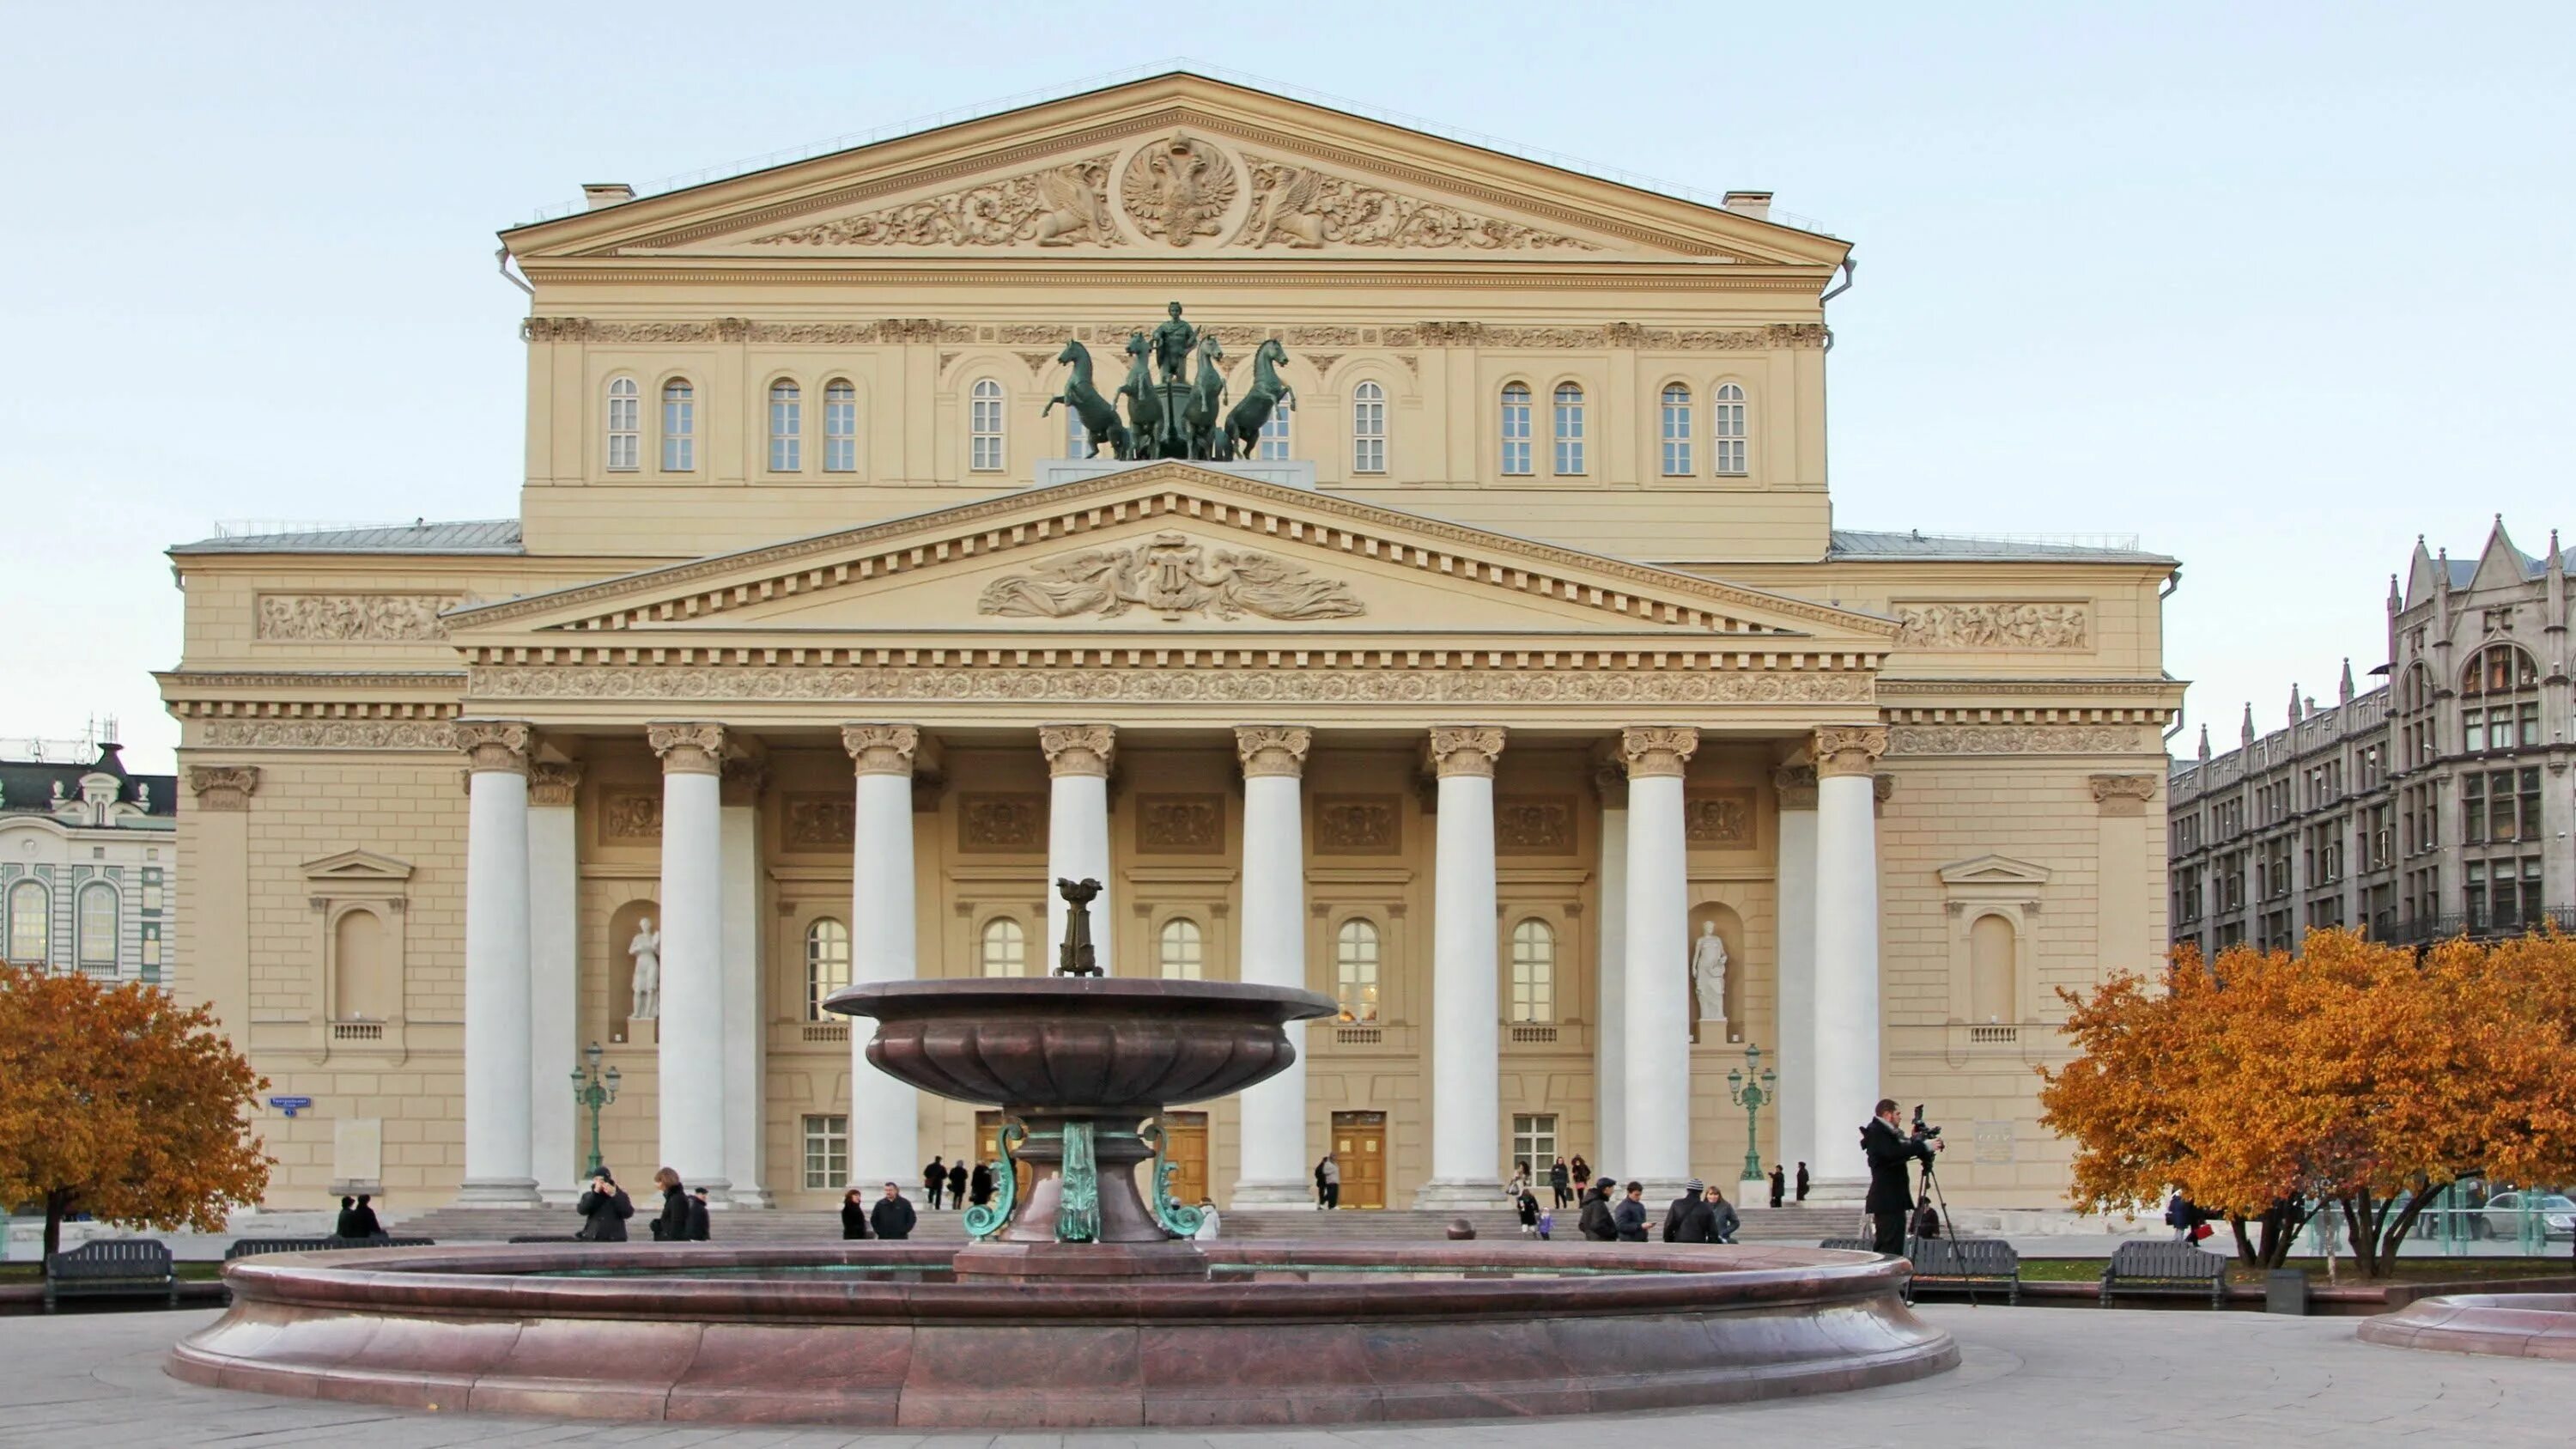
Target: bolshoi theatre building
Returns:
[891, 547]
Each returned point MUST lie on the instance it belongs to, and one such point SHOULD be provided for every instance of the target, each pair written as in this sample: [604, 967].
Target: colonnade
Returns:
[709, 1036]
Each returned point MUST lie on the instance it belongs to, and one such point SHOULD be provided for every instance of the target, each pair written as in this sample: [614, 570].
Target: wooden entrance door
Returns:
[1359, 1145]
[1185, 1138]
[988, 1145]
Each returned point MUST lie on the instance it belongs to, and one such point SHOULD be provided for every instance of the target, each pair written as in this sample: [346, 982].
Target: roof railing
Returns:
[261, 527]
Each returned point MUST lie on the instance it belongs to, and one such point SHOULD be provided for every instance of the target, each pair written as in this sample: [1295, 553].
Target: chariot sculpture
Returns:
[1172, 413]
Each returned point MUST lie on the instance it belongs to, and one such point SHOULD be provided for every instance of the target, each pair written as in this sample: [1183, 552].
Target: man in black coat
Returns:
[892, 1217]
[934, 1181]
[1802, 1182]
[698, 1224]
[979, 1186]
[1779, 1184]
[1891, 1196]
[1596, 1223]
[1630, 1214]
[604, 1208]
[957, 1179]
[673, 1224]
[1690, 1219]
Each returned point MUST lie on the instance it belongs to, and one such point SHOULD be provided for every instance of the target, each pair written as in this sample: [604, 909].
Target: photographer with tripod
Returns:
[1891, 1197]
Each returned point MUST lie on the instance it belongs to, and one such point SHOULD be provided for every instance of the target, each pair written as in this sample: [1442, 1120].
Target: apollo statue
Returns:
[646, 948]
[1708, 973]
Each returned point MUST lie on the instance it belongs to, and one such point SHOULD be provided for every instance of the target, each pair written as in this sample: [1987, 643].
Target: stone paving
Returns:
[2032, 1376]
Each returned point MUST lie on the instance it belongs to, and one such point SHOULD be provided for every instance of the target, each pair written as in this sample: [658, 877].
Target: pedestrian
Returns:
[1596, 1223]
[1561, 1183]
[957, 1185]
[1802, 1182]
[979, 1185]
[1891, 1196]
[363, 1217]
[604, 1209]
[1927, 1220]
[1519, 1184]
[934, 1181]
[1688, 1219]
[1329, 1174]
[698, 1224]
[854, 1216]
[1527, 1202]
[2178, 1216]
[1207, 1221]
[1779, 1184]
[673, 1225]
[1582, 1175]
[1724, 1221]
[892, 1218]
[1546, 1225]
[1319, 1180]
[1630, 1214]
[348, 1224]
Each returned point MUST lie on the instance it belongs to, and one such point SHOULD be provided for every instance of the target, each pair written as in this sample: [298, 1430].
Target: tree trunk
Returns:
[56, 1204]
[2245, 1253]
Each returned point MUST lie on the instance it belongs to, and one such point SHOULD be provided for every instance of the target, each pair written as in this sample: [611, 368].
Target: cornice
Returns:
[1056, 275]
[431, 679]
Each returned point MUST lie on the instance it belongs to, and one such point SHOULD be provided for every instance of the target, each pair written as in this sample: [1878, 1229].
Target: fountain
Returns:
[1082, 1301]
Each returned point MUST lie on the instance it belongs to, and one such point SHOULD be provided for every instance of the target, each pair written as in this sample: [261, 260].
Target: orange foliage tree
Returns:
[117, 1103]
[2356, 1077]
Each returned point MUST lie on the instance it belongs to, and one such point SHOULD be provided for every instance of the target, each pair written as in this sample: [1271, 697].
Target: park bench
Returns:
[111, 1268]
[1969, 1263]
[1848, 1245]
[2165, 1268]
[254, 1247]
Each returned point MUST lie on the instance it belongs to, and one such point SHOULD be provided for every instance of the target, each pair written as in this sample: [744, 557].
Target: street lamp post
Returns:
[1749, 1088]
[590, 1089]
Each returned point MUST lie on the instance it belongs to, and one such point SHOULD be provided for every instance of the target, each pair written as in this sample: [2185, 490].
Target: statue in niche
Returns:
[1708, 974]
[646, 948]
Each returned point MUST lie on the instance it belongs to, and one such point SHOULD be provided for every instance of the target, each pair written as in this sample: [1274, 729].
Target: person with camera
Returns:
[1891, 1197]
[604, 1209]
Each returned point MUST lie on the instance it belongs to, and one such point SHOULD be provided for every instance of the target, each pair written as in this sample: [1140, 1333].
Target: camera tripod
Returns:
[1949, 1230]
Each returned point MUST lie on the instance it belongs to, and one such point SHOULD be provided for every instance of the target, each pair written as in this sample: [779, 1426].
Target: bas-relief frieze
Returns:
[290, 734]
[989, 824]
[1718, 819]
[1234, 336]
[630, 817]
[2016, 739]
[1533, 825]
[1059, 206]
[1358, 825]
[1176, 188]
[356, 618]
[820, 821]
[1994, 626]
[1180, 824]
[896, 684]
[1173, 577]
[1303, 207]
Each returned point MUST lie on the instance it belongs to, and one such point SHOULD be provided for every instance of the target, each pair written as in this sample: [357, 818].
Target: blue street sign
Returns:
[290, 1105]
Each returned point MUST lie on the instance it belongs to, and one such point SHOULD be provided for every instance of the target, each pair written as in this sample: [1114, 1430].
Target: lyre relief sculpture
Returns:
[1174, 577]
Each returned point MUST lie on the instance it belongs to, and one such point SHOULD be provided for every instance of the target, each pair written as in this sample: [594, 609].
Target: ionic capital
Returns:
[550, 783]
[223, 787]
[2123, 794]
[493, 744]
[1848, 750]
[1657, 750]
[1465, 749]
[1796, 785]
[688, 749]
[1080, 749]
[1272, 749]
[881, 749]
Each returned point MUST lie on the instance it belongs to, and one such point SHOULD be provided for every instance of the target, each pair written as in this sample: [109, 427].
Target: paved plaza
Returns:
[2032, 1376]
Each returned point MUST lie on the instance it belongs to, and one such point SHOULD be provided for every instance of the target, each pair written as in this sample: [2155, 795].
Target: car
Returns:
[2502, 1216]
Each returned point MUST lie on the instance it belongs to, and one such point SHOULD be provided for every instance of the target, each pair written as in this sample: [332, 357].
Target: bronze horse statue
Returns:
[1144, 404]
[1243, 425]
[1099, 418]
[1201, 416]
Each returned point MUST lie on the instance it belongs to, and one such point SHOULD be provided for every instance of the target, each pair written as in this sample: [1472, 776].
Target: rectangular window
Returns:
[2529, 800]
[2473, 809]
[2529, 713]
[151, 951]
[827, 1153]
[151, 889]
[1534, 1142]
[1274, 438]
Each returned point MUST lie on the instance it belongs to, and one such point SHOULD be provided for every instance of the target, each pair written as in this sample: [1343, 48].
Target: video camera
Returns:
[1923, 1132]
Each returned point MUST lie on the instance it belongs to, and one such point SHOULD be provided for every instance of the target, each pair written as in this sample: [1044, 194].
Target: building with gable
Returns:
[1518, 654]
[88, 860]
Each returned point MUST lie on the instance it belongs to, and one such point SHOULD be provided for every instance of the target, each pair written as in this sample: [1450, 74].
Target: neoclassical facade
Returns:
[1516, 656]
[88, 862]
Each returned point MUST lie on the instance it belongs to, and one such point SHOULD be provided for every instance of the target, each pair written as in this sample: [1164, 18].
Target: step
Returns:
[1769, 1225]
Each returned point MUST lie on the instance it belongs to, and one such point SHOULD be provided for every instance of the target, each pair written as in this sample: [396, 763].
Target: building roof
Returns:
[480, 535]
[27, 786]
[1855, 543]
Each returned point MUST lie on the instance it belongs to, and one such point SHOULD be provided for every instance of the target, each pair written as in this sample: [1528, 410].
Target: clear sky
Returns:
[2276, 287]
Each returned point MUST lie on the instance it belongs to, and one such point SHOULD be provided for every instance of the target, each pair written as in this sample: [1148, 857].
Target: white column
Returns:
[692, 1023]
[1610, 1017]
[1796, 786]
[1466, 1099]
[554, 969]
[1847, 1064]
[885, 1114]
[1273, 953]
[746, 1053]
[1658, 999]
[1078, 834]
[498, 1169]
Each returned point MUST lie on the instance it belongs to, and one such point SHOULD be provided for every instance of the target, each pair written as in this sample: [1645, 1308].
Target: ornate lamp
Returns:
[1749, 1087]
[590, 1089]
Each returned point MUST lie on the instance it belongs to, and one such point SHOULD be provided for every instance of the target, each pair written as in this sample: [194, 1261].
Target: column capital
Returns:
[688, 749]
[740, 780]
[1465, 749]
[881, 749]
[1796, 785]
[1609, 776]
[494, 745]
[553, 783]
[223, 787]
[1272, 749]
[2123, 794]
[1078, 749]
[1848, 749]
[1652, 750]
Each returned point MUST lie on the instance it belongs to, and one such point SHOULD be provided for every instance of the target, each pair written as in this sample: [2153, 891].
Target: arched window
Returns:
[1004, 950]
[1274, 438]
[1533, 971]
[1726, 430]
[1991, 967]
[1179, 952]
[679, 426]
[984, 427]
[1077, 438]
[1516, 429]
[625, 425]
[1355, 970]
[786, 427]
[1569, 429]
[1677, 431]
[1368, 428]
[840, 426]
[97, 925]
[31, 925]
[2491, 715]
[2415, 689]
[359, 988]
[2499, 669]
[827, 964]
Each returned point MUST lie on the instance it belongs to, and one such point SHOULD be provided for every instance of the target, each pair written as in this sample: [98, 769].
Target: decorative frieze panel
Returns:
[1173, 577]
[1719, 819]
[991, 824]
[1994, 626]
[2018, 739]
[895, 684]
[1778, 335]
[1060, 206]
[1303, 207]
[630, 817]
[353, 618]
[1176, 188]
[1358, 825]
[819, 821]
[1533, 825]
[314, 734]
[1180, 824]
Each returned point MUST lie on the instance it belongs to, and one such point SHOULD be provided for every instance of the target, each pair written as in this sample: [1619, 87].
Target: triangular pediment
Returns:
[1994, 870]
[1174, 550]
[1173, 168]
[357, 865]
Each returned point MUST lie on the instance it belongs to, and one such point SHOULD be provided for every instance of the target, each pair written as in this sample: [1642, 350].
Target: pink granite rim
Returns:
[2511, 1325]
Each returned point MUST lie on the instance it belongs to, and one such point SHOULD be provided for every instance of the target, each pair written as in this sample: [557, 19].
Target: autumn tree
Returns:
[2355, 1075]
[117, 1103]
